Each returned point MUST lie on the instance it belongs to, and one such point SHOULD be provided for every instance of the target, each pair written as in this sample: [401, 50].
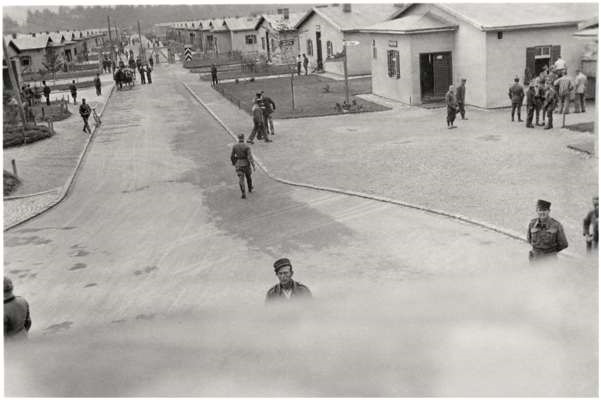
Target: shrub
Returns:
[10, 183]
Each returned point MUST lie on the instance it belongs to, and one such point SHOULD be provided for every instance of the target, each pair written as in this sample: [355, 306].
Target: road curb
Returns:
[509, 233]
[67, 186]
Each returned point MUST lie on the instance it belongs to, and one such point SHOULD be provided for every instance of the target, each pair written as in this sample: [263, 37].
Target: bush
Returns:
[13, 135]
[10, 183]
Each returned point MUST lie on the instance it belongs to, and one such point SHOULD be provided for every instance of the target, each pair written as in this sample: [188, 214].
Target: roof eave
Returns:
[410, 31]
[529, 26]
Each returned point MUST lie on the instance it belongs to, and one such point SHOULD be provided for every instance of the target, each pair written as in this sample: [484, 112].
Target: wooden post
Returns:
[346, 91]
[14, 164]
[292, 86]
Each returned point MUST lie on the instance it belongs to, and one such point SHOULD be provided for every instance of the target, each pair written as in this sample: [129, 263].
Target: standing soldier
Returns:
[73, 90]
[151, 61]
[545, 234]
[242, 159]
[287, 289]
[539, 101]
[461, 98]
[592, 220]
[530, 104]
[580, 89]
[17, 320]
[214, 80]
[550, 103]
[98, 85]
[46, 93]
[299, 63]
[148, 73]
[85, 111]
[516, 95]
[451, 101]
[564, 85]
[306, 64]
[269, 109]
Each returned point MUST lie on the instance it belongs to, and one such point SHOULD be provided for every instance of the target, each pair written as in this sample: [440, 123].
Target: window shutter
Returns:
[398, 64]
[389, 62]
[529, 72]
[555, 53]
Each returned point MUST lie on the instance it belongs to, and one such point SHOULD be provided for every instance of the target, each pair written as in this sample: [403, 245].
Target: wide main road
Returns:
[154, 227]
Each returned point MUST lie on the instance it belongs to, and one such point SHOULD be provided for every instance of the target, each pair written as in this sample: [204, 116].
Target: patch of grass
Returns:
[239, 73]
[54, 111]
[10, 183]
[13, 135]
[310, 97]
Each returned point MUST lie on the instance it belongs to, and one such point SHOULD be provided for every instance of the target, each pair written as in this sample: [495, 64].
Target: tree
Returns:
[10, 25]
[54, 62]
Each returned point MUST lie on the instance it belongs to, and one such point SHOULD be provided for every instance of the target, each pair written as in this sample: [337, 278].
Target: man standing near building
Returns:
[17, 320]
[550, 103]
[269, 109]
[461, 98]
[73, 90]
[46, 92]
[564, 86]
[451, 101]
[242, 160]
[530, 104]
[580, 90]
[592, 221]
[516, 95]
[214, 80]
[287, 289]
[545, 234]
[85, 111]
[540, 100]
[299, 63]
[98, 85]
[306, 64]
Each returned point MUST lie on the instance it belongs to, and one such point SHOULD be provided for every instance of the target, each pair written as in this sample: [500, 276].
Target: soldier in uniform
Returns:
[550, 103]
[287, 289]
[592, 220]
[73, 90]
[16, 313]
[269, 109]
[530, 104]
[451, 101]
[545, 234]
[242, 159]
[461, 98]
[516, 95]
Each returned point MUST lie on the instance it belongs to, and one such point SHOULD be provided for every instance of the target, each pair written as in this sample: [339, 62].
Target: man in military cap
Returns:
[516, 95]
[287, 289]
[592, 221]
[461, 98]
[16, 313]
[545, 234]
[242, 159]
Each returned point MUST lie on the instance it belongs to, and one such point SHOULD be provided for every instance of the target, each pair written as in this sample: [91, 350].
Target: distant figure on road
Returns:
[287, 289]
[157, 57]
[85, 111]
[214, 80]
[516, 95]
[299, 63]
[142, 74]
[17, 320]
[148, 74]
[592, 221]
[451, 101]
[530, 103]
[46, 92]
[545, 234]
[242, 159]
[132, 64]
[269, 109]
[461, 98]
[98, 85]
[119, 78]
[306, 64]
[73, 90]
[580, 89]
[550, 103]
[151, 61]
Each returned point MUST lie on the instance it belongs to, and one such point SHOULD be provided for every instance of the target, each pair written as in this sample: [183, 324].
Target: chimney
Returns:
[346, 8]
[33, 35]
[14, 35]
[286, 13]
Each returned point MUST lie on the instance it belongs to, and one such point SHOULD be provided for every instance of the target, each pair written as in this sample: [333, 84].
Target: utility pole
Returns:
[13, 82]
[142, 52]
[292, 84]
[108, 19]
[346, 94]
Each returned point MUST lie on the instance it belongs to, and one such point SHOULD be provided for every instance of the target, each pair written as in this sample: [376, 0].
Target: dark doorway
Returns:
[436, 75]
[268, 46]
[319, 54]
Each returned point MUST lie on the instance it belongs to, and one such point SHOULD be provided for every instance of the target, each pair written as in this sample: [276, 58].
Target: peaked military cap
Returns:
[543, 205]
[241, 136]
[282, 262]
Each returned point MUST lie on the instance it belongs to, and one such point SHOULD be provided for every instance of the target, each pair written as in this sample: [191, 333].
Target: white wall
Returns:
[506, 57]
[239, 41]
[359, 57]
[390, 87]
[328, 32]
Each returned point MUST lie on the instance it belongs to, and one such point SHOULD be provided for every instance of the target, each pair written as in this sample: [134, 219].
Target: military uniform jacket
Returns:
[591, 219]
[546, 237]
[241, 155]
[73, 89]
[85, 110]
[516, 93]
[550, 98]
[461, 94]
[16, 317]
[531, 97]
[451, 100]
[46, 91]
[299, 292]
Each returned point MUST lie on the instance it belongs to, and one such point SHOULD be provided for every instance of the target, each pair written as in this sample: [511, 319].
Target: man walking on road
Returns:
[592, 221]
[214, 80]
[46, 92]
[287, 289]
[545, 234]
[269, 109]
[73, 90]
[17, 320]
[98, 85]
[451, 101]
[461, 98]
[516, 95]
[85, 111]
[242, 159]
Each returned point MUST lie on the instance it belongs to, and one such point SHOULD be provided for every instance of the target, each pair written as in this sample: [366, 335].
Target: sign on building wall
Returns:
[393, 43]
[284, 43]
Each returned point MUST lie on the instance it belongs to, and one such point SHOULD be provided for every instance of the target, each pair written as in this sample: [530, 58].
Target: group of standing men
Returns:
[262, 110]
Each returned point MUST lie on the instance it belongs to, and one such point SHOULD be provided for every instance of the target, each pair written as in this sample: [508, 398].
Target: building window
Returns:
[25, 61]
[543, 52]
[394, 68]
[210, 42]
[263, 43]
[329, 49]
[250, 39]
[374, 52]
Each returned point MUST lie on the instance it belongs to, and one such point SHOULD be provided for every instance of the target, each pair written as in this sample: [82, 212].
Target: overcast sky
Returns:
[19, 14]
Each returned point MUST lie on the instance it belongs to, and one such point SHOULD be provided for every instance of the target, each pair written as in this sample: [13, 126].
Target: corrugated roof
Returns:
[361, 15]
[218, 25]
[242, 23]
[492, 16]
[279, 23]
[412, 24]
